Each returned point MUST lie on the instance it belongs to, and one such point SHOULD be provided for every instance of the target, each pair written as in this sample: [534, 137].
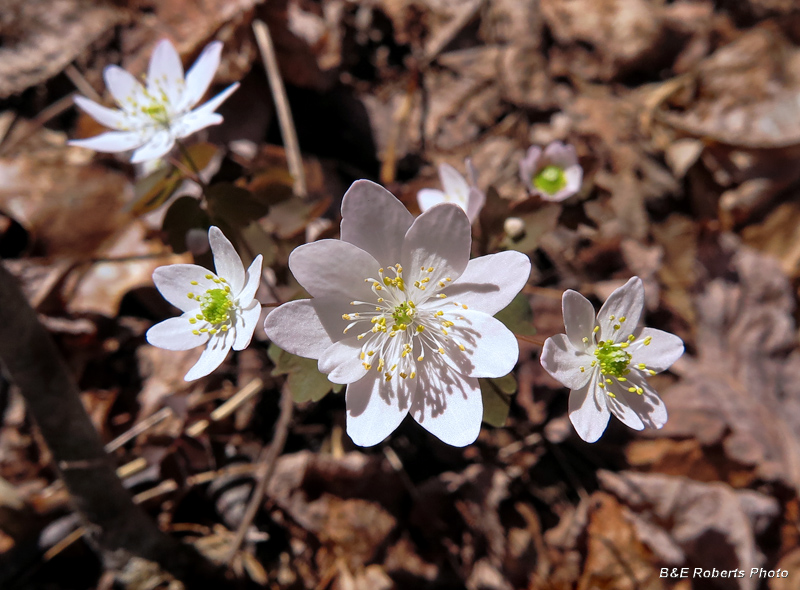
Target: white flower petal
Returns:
[663, 350]
[216, 350]
[626, 302]
[201, 74]
[203, 116]
[341, 361]
[455, 186]
[158, 145]
[563, 361]
[439, 238]
[491, 348]
[111, 141]
[574, 176]
[165, 73]
[174, 282]
[246, 322]
[529, 166]
[124, 87]
[226, 260]
[107, 117]
[428, 197]
[375, 221]
[252, 280]
[476, 201]
[560, 154]
[490, 282]
[296, 328]
[195, 121]
[447, 404]
[176, 334]
[579, 318]
[634, 410]
[373, 408]
[334, 267]
[588, 411]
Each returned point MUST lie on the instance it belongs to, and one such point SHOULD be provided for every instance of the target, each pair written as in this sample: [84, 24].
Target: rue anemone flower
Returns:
[402, 316]
[456, 190]
[554, 174]
[605, 361]
[152, 116]
[219, 309]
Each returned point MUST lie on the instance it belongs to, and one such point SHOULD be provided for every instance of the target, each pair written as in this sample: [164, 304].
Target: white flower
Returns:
[456, 190]
[219, 310]
[606, 360]
[151, 117]
[402, 316]
[554, 174]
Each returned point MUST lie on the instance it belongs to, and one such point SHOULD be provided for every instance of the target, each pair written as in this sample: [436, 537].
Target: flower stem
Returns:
[188, 157]
[530, 339]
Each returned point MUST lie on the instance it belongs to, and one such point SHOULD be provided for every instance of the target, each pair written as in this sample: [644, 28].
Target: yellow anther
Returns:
[212, 331]
[196, 332]
[209, 276]
[648, 340]
[441, 350]
[192, 320]
[388, 376]
[612, 318]
[441, 296]
[345, 316]
[622, 320]
[420, 328]
[622, 378]
[440, 313]
[190, 295]
[224, 328]
[444, 331]
[465, 307]
[639, 390]
[632, 389]
[440, 283]
[585, 339]
[413, 374]
[425, 280]
[403, 375]
[380, 364]
[361, 356]
[367, 366]
[370, 352]
[594, 363]
[631, 338]
[608, 380]
[204, 329]
[420, 358]
[360, 337]
[461, 347]
[583, 369]
[596, 329]
[641, 366]
[652, 372]
[611, 395]
[602, 385]
[616, 326]
[193, 283]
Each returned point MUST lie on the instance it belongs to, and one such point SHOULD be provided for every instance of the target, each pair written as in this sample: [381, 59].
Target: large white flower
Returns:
[402, 316]
[605, 361]
[219, 309]
[151, 117]
[457, 190]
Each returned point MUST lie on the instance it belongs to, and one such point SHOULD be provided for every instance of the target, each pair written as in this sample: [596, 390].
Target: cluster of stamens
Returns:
[550, 179]
[397, 325]
[612, 360]
[154, 108]
[215, 307]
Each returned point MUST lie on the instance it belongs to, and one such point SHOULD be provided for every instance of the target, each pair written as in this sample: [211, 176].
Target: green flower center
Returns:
[156, 111]
[215, 306]
[613, 358]
[403, 315]
[550, 180]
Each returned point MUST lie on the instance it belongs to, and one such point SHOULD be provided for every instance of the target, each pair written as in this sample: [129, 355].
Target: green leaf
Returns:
[184, 214]
[234, 205]
[154, 190]
[518, 316]
[537, 224]
[496, 394]
[303, 378]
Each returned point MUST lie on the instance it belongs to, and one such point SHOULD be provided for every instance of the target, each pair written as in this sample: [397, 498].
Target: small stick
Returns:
[288, 132]
[237, 399]
[188, 157]
[266, 467]
[138, 429]
[82, 84]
